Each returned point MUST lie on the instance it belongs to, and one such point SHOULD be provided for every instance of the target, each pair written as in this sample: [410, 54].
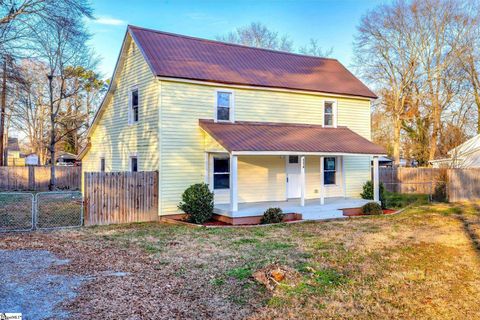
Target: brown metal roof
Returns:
[268, 136]
[178, 56]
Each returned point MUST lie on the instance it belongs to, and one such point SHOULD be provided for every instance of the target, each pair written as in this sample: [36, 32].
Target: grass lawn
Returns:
[421, 264]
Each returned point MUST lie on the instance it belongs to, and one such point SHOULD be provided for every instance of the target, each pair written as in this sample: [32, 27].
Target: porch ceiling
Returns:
[244, 137]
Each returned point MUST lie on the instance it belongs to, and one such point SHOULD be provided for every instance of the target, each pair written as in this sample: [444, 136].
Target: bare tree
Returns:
[314, 49]
[258, 35]
[61, 43]
[385, 56]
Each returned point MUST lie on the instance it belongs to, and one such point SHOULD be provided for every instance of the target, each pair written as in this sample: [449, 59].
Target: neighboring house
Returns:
[259, 126]
[466, 155]
[32, 159]
[65, 158]
[12, 156]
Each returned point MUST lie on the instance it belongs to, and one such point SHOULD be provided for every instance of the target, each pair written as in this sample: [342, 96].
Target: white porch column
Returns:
[376, 184]
[233, 183]
[322, 180]
[302, 181]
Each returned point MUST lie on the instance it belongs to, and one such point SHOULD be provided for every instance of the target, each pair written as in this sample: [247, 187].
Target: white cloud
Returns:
[105, 20]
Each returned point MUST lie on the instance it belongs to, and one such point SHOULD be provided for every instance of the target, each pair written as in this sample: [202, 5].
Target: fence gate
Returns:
[61, 209]
[22, 211]
[17, 211]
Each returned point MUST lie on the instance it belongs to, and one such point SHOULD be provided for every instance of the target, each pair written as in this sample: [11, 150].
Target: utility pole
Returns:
[3, 106]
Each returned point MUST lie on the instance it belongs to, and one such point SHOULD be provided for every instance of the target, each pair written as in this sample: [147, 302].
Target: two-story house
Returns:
[263, 128]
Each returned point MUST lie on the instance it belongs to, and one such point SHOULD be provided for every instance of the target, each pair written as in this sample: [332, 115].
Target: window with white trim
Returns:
[102, 164]
[224, 105]
[133, 164]
[221, 173]
[329, 170]
[133, 115]
[329, 113]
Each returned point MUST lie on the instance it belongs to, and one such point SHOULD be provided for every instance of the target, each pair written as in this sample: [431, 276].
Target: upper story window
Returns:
[133, 115]
[221, 173]
[329, 170]
[134, 164]
[329, 114]
[224, 105]
[102, 164]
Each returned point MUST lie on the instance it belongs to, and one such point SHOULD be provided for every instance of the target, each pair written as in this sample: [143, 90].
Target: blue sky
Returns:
[332, 23]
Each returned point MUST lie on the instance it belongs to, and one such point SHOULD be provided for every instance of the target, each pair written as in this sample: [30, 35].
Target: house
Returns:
[466, 155]
[32, 159]
[12, 156]
[263, 128]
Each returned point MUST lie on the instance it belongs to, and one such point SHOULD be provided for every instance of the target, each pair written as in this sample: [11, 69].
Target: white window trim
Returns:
[335, 113]
[213, 171]
[133, 155]
[232, 105]
[336, 173]
[130, 105]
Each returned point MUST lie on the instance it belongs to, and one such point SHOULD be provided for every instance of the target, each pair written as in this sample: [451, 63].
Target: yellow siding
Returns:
[183, 143]
[116, 140]
[312, 179]
[357, 172]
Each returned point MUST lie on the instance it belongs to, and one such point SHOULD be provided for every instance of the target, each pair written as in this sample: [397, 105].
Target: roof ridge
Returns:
[230, 44]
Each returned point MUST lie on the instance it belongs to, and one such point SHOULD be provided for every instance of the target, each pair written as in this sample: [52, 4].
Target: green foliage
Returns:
[398, 200]
[197, 202]
[272, 215]
[372, 208]
[240, 273]
[440, 192]
[368, 192]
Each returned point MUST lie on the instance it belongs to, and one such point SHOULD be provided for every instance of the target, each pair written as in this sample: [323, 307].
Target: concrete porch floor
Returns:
[312, 210]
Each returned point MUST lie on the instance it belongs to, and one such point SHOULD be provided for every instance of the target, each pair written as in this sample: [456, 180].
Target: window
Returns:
[134, 106]
[224, 106]
[292, 159]
[329, 109]
[102, 164]
[329, 170]
[221, 173]
[133, 164]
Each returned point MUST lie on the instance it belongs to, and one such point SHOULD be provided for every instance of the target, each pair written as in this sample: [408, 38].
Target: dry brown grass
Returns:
[421, 264]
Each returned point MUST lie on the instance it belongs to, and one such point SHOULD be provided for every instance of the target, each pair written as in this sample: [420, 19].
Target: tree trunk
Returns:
[396, 140]
[51, 147]
[2, 112]
[435, 132]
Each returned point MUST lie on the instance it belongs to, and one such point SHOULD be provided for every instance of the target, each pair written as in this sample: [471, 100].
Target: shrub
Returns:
[197, 202]
[372, 208]
[368, 192]
[272, 215]
[440, 192]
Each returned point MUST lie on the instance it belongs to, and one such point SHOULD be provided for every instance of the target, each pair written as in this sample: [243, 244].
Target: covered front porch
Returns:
[302, 169]
[311, 210]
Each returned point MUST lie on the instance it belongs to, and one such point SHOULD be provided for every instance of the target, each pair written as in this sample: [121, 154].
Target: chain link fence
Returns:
[17, 211]
[45, 210]
[58, 210]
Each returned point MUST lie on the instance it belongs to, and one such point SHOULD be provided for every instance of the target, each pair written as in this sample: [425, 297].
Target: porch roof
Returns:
[246, 136]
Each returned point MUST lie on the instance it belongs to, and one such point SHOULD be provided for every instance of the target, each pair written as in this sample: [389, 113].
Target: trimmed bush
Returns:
[272, 215]
[197, 202]
[372, 208]
[440, 192]
[368, 192]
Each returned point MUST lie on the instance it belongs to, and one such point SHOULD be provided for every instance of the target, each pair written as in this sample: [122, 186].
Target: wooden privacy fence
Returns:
[411, 180]
[463, 184]
[120, 197]
[38, 178]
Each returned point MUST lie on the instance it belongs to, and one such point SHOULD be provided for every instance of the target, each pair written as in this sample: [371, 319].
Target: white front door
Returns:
[293, 177]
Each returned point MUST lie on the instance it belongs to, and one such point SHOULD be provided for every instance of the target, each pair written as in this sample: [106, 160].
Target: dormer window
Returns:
[329, 114]
[224, 105]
